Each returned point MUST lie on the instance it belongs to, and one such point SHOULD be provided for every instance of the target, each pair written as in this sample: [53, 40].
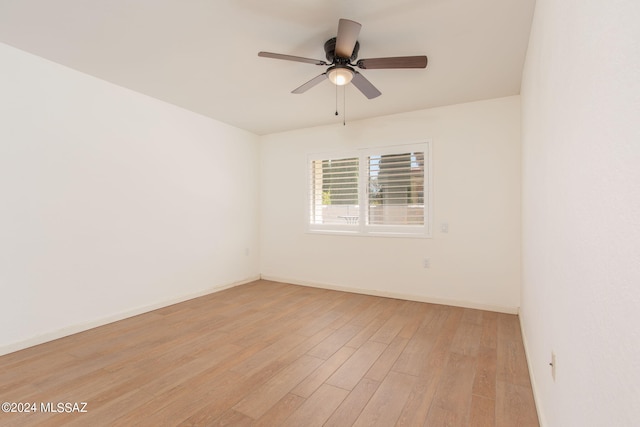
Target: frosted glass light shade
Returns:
[340, 76]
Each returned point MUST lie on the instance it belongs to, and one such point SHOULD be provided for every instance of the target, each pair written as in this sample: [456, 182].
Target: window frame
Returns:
[362, 228]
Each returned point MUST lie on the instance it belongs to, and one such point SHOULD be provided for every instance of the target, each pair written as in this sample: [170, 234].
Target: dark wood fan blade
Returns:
[291, 58]
[365, 86]
[397, 62]
[347, 37]
[311, 83]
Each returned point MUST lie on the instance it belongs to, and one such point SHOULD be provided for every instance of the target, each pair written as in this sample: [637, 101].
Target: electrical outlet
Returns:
[426, 263]
[553, 365]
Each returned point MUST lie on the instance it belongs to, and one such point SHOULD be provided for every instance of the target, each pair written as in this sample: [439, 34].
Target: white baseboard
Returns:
[536, 398]
[419, 298]
[73, 329]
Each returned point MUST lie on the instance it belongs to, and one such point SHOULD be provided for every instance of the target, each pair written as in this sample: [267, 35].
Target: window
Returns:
[383, 191]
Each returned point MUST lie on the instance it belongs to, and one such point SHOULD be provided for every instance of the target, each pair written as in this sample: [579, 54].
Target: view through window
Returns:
[382, 191]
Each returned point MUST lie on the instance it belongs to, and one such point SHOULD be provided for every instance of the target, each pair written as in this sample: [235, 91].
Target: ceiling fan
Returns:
[341, 51]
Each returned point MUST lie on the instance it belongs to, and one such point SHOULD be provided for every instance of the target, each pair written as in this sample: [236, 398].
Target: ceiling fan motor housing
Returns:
[330, 50]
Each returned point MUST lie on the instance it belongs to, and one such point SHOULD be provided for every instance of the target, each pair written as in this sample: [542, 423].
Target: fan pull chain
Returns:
[336, 100]
[344, 105]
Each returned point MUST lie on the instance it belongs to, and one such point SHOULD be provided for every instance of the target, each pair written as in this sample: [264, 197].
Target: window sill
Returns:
[358, 233]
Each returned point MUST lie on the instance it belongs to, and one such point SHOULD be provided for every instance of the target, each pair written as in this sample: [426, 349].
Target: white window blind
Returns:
[396, 189]
[334, 191]
[383, 191]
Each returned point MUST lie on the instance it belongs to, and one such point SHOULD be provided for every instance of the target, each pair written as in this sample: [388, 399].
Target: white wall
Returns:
[111, 202]
[581, 211]
[476, 173]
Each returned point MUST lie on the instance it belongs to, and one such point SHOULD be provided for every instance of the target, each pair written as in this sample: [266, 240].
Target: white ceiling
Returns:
[202, 54]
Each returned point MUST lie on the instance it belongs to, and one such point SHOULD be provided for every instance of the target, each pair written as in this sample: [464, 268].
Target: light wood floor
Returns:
[273, 354]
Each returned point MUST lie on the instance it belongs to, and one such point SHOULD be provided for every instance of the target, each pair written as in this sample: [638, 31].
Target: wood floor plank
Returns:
[467, 338]
[419, 345]
[366, 332]
[414, 313]
[269, 353]
[419, 401]
[310, 384]
[511, 362]
[231, 418]
[472, 316]
[179, 403]
[390, 329]
[489, 329]
[305, 346]
[515, 406]
[508, 327]
[371, 325]
[444, 341]
[314, 324]
[383, 365]
[483, 412]
[221, 397]
[350, 308]
[280, 411]
[387, 402]
[109, 410]
[335, 341]
[350, 409]
[350, 373]
[373, 311]
[266, 396]
[452, 402]
[484, 383]
[15, 376]
[430, 373]
[181, 373]
[317, 408]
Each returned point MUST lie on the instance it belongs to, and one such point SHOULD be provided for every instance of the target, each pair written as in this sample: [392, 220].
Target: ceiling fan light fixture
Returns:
[340, 76]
